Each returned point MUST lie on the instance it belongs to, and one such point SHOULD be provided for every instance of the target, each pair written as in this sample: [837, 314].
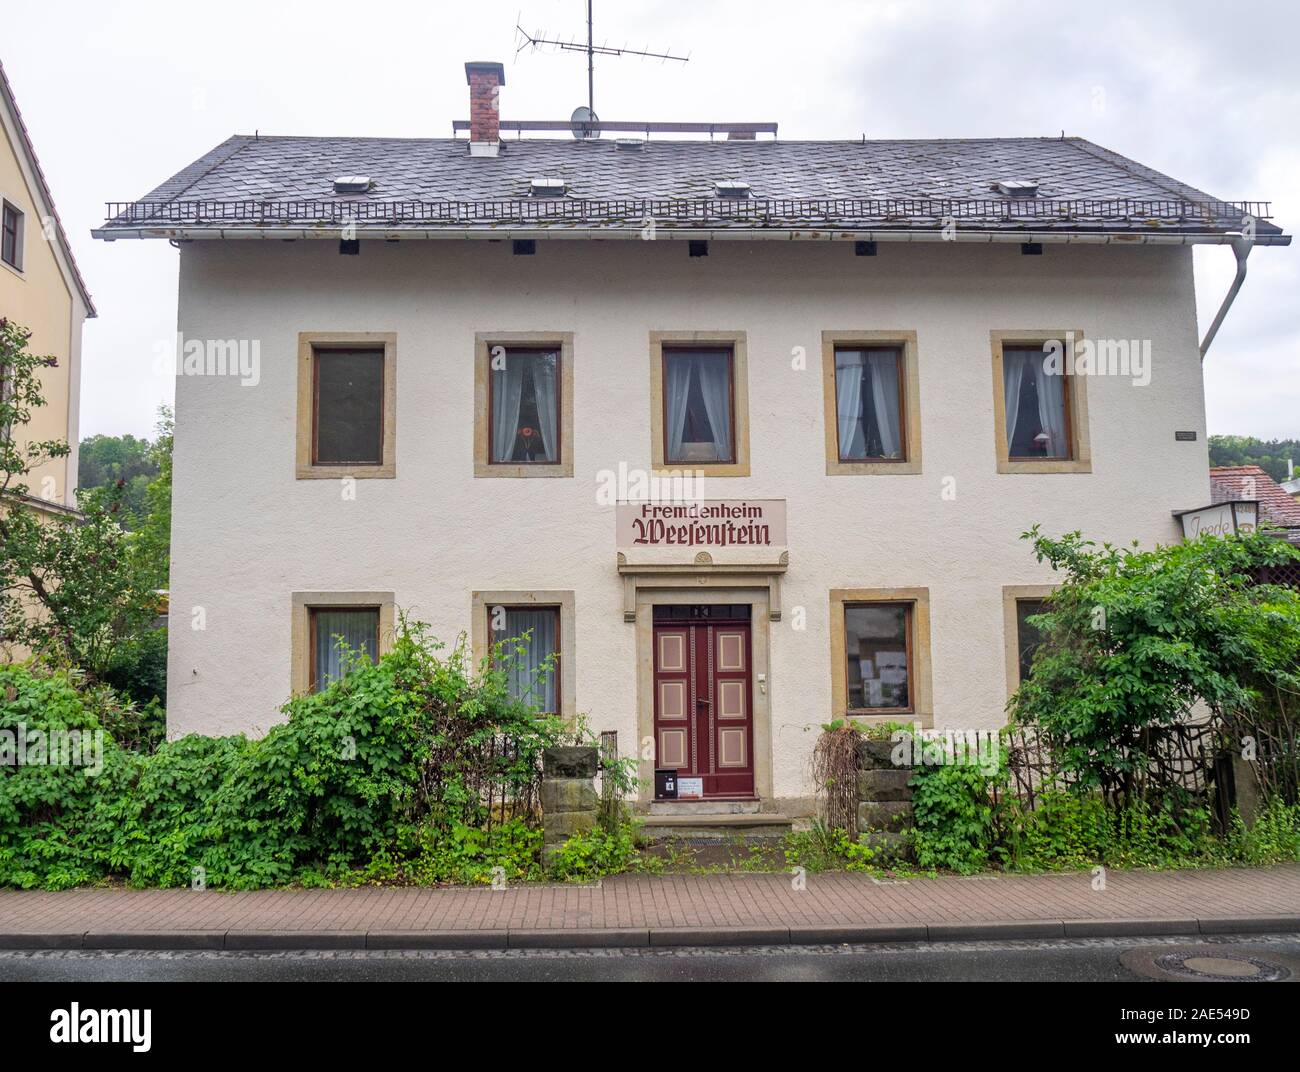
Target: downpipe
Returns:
[1241, 248]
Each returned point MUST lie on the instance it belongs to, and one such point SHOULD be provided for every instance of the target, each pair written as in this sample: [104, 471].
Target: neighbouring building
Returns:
[41, 289]
[1292, 485]
[443, 375]
[1251, 483]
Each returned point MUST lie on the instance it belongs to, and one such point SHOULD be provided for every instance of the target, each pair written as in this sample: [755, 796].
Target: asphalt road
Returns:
[1079, 960]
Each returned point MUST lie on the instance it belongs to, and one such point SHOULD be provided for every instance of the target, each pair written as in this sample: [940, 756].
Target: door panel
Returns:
[703, 696]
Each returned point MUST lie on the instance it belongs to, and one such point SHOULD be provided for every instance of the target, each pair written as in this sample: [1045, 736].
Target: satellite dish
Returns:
[581, 123]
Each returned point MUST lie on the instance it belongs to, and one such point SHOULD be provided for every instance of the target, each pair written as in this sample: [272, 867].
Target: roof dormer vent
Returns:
[352, 184]
[1017, 189]
[629, 145]
[732, 188]
[548, 187]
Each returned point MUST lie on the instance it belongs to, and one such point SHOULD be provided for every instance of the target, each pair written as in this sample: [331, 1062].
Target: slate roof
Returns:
[253, 181]
[1236, 482]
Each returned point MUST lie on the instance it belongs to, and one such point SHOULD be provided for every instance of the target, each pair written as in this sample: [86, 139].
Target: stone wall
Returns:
[884, 801]
[569, 801]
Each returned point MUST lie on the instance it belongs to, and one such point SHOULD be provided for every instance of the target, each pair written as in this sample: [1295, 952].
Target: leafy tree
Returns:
[154, 533]
[1135, 639]
[70, 587]
[104, 461]
[1271, 455]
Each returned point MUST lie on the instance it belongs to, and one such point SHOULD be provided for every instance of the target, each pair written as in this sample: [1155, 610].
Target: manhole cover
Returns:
[1245, 969]
[1199, 964]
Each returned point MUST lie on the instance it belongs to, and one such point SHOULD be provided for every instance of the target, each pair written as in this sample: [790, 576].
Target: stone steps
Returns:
[705, 807]
[714, 827]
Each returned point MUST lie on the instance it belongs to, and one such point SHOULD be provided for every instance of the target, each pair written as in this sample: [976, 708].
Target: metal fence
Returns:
[721, 211]
[505, 778]
[1182, 756]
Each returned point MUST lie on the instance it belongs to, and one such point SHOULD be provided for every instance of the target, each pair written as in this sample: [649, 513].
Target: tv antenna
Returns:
[539, 40]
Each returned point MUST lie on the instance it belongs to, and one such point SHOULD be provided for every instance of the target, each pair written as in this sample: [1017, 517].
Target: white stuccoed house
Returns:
[441, 375]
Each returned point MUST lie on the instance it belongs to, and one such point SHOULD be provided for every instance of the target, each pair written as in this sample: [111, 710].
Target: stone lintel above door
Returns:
[702, 570]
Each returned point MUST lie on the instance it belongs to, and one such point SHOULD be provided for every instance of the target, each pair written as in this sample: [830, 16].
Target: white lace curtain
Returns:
[710, 372]
[508, 390]
[1049, 436]
[880, 371]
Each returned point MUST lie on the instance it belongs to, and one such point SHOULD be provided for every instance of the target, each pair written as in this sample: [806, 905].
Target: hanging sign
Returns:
[1221, 519]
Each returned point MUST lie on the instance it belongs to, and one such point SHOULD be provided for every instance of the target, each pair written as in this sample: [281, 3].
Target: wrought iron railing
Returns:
[691, 211]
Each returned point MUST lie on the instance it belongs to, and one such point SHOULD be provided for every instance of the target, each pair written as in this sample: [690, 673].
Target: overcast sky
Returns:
[121, 94]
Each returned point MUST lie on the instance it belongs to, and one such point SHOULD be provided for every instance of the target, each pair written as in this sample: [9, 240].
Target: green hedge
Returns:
[369, 778]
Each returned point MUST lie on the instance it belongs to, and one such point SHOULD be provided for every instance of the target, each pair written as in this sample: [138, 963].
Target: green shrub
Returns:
[954, 816]
[377, 774]
[138, 672]
[55, 828]
[471, 855]
[584, 857]
[825, 848]
[1072, 830]
[1273, 838]
[1134, 640]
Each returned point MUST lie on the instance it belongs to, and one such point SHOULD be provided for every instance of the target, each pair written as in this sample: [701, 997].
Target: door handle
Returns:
[706, 703]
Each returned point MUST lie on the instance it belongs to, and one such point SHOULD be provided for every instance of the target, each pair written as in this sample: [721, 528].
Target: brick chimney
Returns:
[485, 82]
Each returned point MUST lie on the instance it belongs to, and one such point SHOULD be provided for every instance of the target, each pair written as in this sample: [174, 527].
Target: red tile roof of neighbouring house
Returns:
[1236, 482]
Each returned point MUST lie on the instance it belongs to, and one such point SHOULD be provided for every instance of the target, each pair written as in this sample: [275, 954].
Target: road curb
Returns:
[1125, 928]
[1248, 924]
[611, 938]
[284, 940]
[718, 936]
[177, 940]
[449, 940]
[647, 937]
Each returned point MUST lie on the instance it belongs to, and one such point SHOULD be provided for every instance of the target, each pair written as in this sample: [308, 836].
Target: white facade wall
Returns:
[247, 534]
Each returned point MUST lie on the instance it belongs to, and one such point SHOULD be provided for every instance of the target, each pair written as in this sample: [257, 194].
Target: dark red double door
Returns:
[704, 718]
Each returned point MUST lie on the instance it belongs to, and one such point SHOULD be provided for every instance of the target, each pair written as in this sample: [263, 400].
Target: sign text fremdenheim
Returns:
[727, 523]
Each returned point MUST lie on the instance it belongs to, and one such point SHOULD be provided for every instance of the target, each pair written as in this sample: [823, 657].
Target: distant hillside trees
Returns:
[1270, 455]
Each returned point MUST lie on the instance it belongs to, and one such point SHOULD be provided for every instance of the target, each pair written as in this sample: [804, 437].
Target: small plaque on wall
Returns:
[1185, 437]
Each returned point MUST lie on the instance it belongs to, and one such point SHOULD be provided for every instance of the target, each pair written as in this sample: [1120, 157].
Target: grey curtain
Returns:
[848, 401]
[1051, 407]
[544, 390]
[1013, 374]
[677, 392]
[358, 629]
[884, 393]
[535, 630]
[507, 395]
[715, 385]
[880, 370]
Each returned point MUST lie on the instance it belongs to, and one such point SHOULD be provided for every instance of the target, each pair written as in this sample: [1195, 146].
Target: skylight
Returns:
[1016, 188]
[352, 184]
[732, 188]
[548, 187]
